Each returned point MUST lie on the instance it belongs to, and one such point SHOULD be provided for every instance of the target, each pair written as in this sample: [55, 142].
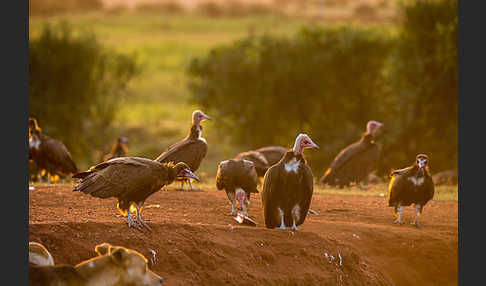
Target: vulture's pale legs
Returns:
[139, 217]
[417, 214]
[130, 221]
[399, 219]
[282, 223]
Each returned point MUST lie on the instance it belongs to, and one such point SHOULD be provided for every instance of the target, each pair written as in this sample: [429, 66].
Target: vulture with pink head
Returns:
[355, 162]
[287, 188]
[191, 150]
[239, 179]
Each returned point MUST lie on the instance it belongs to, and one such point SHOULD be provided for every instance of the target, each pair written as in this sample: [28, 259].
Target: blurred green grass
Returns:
[157, 111]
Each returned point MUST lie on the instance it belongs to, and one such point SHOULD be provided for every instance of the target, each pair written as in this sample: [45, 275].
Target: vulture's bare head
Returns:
[303, 141]
[182, 171]
[374, 128]
[422, 162]
[34, 131]
[198, 116]
[123, 140]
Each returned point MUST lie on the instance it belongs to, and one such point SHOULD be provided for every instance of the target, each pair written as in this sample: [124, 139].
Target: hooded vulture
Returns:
[411, 185]
[239, 179]
[355, 162]
[190, 150]
[131, 180]
[263, 158]
[288, 187]
[49, 154]
[119, 149]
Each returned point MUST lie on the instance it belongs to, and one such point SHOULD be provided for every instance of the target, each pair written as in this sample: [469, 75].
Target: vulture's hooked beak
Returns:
[186, 173]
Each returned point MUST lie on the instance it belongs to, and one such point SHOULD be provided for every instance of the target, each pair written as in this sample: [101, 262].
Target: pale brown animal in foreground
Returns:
[114, 266]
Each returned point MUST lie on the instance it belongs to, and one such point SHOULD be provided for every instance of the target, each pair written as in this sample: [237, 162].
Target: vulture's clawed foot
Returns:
[142, 224]
[399, 221]
[133, 224]
[416, 224]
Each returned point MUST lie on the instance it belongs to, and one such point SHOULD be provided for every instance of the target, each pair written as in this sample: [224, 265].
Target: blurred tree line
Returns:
[75, 85]
[328, 82]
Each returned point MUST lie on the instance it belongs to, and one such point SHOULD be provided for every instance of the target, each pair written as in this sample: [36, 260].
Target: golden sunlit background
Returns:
[263, 70]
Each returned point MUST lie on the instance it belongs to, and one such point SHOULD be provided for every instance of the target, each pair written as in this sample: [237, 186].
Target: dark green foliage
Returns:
[75, 84]
[425, 80]
[324, 82]
[329, 82]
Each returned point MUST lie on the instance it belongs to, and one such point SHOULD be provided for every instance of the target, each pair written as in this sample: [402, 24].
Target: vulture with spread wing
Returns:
[131, 180]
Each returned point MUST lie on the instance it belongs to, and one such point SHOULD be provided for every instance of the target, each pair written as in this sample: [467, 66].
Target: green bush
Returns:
[75, 85]
[425, 80]
[325, 82]
[328, 82]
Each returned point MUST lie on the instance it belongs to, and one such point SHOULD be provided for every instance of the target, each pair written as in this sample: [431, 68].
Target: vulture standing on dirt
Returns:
[239, 179]
[288, 187]
[191, 149]
[355, 162]
[411, 185]
[263, 158]
[49, 154]
[119, 149]
[131, 180]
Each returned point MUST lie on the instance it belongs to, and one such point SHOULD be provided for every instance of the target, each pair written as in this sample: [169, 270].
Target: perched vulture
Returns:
[119, 149]
[355, 162]
[263, 158]
[288, 187]
[49, 154]
[239, 179]
[411, 185]
[190, 150]
[131, 180]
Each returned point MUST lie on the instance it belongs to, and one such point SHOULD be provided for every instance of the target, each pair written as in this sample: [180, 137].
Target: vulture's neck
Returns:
[367, 138]
[195, 132]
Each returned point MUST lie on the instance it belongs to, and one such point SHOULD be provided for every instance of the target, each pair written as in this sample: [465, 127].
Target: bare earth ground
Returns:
[197, 244]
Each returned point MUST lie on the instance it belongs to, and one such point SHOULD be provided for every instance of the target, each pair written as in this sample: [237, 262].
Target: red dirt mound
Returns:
[351, 241]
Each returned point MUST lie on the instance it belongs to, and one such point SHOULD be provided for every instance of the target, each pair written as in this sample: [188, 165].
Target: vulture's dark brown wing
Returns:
[189, 151]
[221, 177]
[250, 177]
[259, 161]
[347, 153]
[430, 189]
[269, 185]
[307, 187]
[396, 187]
[59, 155]
[273, 154]
[121, 176]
